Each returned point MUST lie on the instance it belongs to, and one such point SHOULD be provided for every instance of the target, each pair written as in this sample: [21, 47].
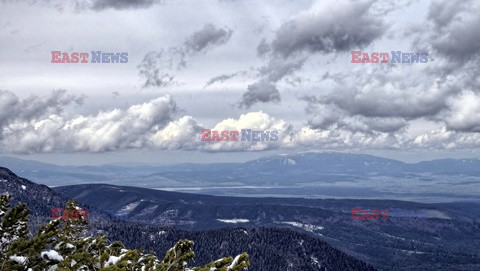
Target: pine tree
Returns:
[13, 224]
[226, 264]
[66, 248]
[177, 257]
[73, 224]
[27, 252]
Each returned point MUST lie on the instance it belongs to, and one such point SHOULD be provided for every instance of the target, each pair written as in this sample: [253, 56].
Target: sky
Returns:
[281, 66]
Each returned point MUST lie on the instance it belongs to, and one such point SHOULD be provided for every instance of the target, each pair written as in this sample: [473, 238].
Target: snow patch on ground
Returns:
[52, 255]
[112, 260]
[307, 227]
[412, 251]
[391, 236]
[148, 210]
[234, 263]
[128, 208]
[315, 261]
[24, 187]
[18, 259]
[234, 221]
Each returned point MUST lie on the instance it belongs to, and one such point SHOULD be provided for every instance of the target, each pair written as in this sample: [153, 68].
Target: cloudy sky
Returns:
[232, 65]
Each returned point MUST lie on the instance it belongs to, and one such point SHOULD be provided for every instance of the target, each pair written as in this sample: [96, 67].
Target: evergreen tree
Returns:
[14, 223]
[29, 252]
[61, 245]
[73, 224]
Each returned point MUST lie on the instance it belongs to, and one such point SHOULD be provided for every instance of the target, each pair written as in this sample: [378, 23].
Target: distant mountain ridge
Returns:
[39, 198]
[307, 174]
[323, 162]
[319, 162]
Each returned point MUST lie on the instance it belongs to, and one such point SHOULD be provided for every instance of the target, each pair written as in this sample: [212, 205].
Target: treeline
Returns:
[269, 248]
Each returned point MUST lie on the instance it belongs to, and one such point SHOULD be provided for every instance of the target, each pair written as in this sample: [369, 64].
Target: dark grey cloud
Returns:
[324, 116]
[443, 13]
[295, 81]
[410, 92]
[370, 126]
[367, 125]
[265, 89]
[386, 98]
[384, 125]
[156, 71]
[159, 68]
[341, 29]
[97, 5]
[122, 4]
[262, 91]
[451, 34]
[209, 36]
[12, 108]
[457, 36]
[347, 25]
[263, 47]
[222, 78]
[380, 98]
[329, 116]
[380, 104]
[384, 7]
[277, 69]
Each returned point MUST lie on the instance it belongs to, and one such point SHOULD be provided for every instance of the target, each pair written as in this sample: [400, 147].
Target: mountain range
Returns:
[307, 174]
